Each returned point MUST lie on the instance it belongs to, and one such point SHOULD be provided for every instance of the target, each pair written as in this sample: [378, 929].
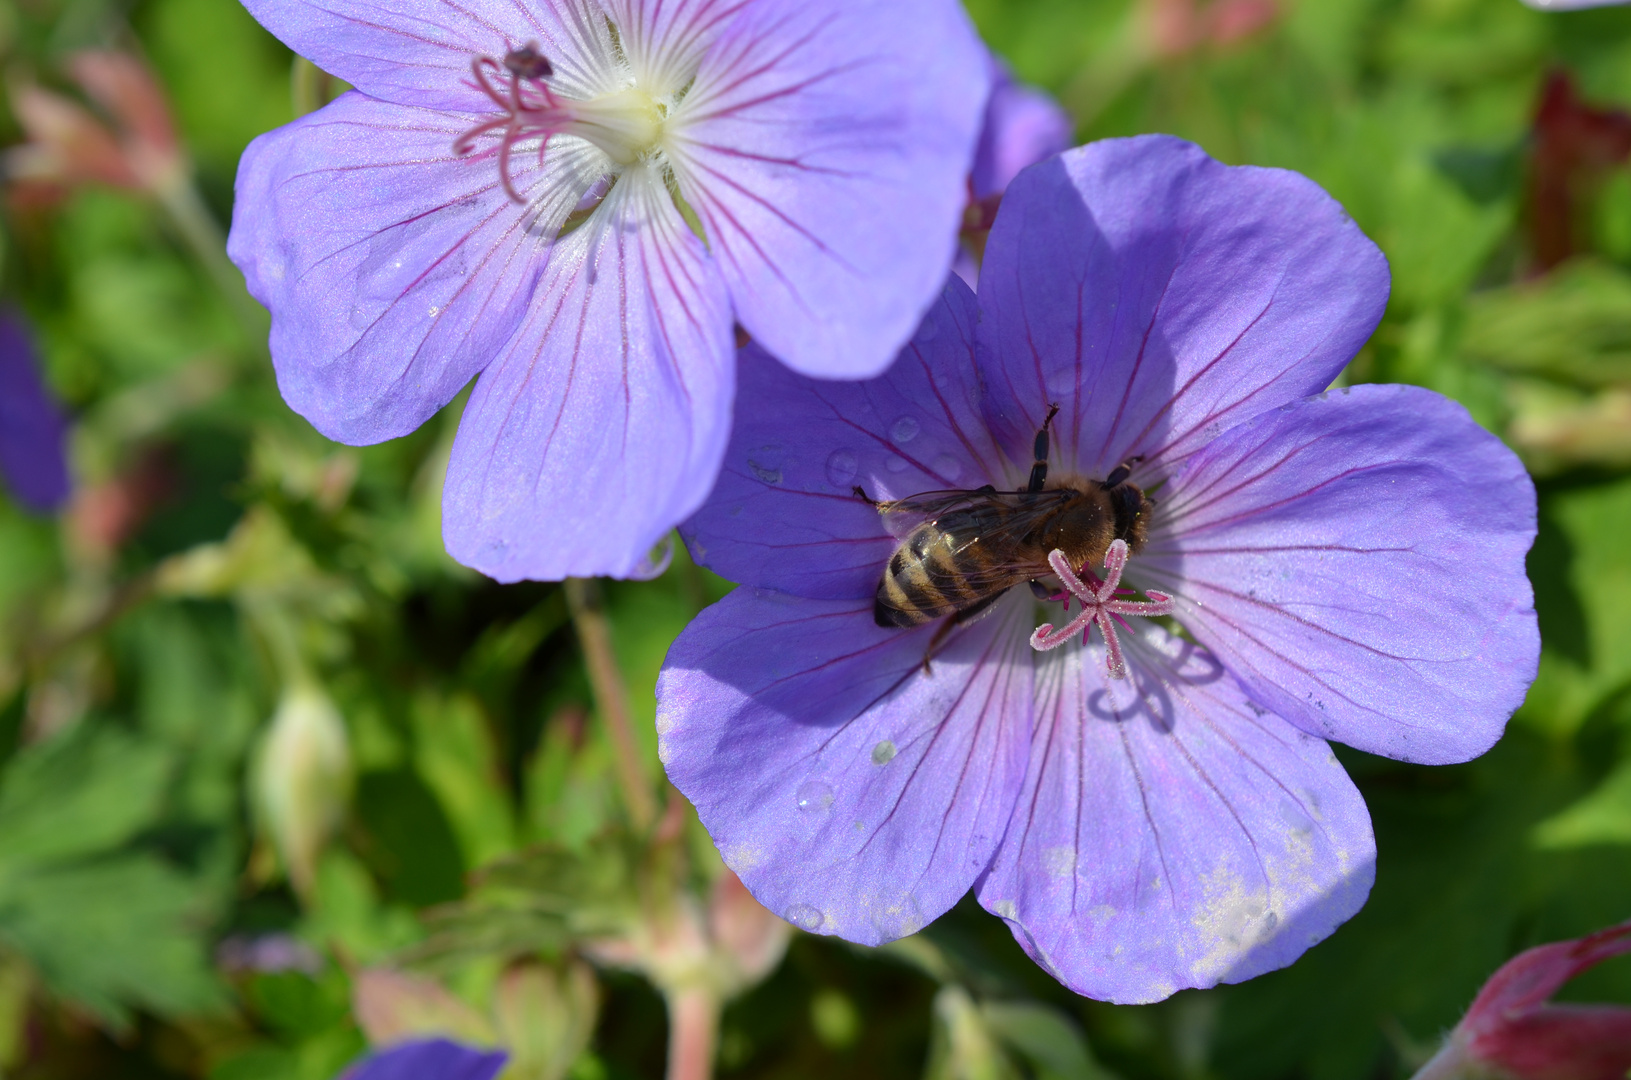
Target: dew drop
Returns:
[905, 429]
[841, 468]
[896, 465]
[929, 330]
[814, 795]
[883, 753]
[805, 917]
[948, 467]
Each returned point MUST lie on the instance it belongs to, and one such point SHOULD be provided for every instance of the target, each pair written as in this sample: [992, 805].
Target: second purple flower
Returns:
[912, 695]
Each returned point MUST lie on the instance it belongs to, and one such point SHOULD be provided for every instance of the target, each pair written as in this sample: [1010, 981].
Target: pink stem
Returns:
[693, 1032]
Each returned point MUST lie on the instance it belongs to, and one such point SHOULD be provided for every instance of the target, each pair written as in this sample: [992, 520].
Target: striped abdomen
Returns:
[942, 568]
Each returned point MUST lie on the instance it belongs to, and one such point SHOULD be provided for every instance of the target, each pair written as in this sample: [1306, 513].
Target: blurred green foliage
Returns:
[218, 552]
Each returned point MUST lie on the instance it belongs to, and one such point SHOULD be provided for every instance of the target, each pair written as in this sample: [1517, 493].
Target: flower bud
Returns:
[1512, 1031]
[302, 779]
[546, 1017]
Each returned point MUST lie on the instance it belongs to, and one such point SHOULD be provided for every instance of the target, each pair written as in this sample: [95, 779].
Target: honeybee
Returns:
[973, 546]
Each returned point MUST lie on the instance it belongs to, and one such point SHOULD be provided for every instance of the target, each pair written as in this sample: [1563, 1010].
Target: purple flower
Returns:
[578, 199]
[33, 433]
[1022, 126]
[435, 1059]
[1345, 566]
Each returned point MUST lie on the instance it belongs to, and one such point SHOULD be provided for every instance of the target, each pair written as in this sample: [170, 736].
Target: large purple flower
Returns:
[577, 199]
[33, 432]
[1344, 566]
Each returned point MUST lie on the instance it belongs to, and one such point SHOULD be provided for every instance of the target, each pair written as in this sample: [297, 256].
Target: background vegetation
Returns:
[276, 776]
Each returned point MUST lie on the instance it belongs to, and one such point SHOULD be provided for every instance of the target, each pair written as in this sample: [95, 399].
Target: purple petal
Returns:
[1161, 297]
[1357, 561]
[1023, 125]
[393, 268]
[1170, 834]
[602, 425]
[435, 1059]
[33, 433]
[784, 514]
[825, 148]
[418, 52]
[853, 794]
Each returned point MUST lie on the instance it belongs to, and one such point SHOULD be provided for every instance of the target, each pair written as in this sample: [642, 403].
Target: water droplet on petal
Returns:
[805, 917]
[948, 467]
[896, 464]
[656, 562]
[815, 795]
[905, 429]
[928, 330]
[841, 468]
[883, 753]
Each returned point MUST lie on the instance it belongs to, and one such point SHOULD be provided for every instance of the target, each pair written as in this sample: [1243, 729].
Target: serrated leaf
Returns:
[114, 934]
[84, 792]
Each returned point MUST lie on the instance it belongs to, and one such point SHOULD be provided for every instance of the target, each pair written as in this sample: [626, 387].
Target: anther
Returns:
[528, 63]
[520, 116]
[1099, 606]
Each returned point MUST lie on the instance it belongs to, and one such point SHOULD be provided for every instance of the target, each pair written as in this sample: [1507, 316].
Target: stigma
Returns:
[1102, 606]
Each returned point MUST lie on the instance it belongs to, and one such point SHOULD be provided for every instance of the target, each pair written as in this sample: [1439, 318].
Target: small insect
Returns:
[973, 546]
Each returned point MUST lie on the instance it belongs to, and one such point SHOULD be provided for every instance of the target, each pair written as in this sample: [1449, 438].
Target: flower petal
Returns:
[1023, 125]
[418, 52]
[601, 427]
[394, 269]
[1170, 834]
[1155, 331]
[852, 793]
[825, 148]
[33, 432]
[784, 514]
[1357, 562]
[433, 1059]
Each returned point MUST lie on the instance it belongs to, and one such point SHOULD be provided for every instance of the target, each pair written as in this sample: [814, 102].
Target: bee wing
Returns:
[993, 521]
[929, 505]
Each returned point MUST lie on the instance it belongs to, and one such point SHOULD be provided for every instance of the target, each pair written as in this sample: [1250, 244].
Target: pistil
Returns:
[626, 124]
[1101, 606]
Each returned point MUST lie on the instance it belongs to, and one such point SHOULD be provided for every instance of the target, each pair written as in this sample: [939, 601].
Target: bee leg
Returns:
[1119, 475]
[935, 642]
[860, 493]
[967, 614]
[1039, 450]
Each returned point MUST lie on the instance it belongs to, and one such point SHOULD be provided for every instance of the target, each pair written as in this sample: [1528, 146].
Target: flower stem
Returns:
[693, 1032]
[1447, 1064]
[203, 237]
[611, 699]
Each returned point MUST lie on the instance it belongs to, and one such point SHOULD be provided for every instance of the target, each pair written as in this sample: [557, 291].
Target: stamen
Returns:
[627, 124]
[1100, 606]
[523, 117]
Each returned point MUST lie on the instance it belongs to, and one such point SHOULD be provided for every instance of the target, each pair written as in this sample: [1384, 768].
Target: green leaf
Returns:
[1045, 1037]
[84, 792]
[1573, 325]
[113, 934]
[454, 753]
